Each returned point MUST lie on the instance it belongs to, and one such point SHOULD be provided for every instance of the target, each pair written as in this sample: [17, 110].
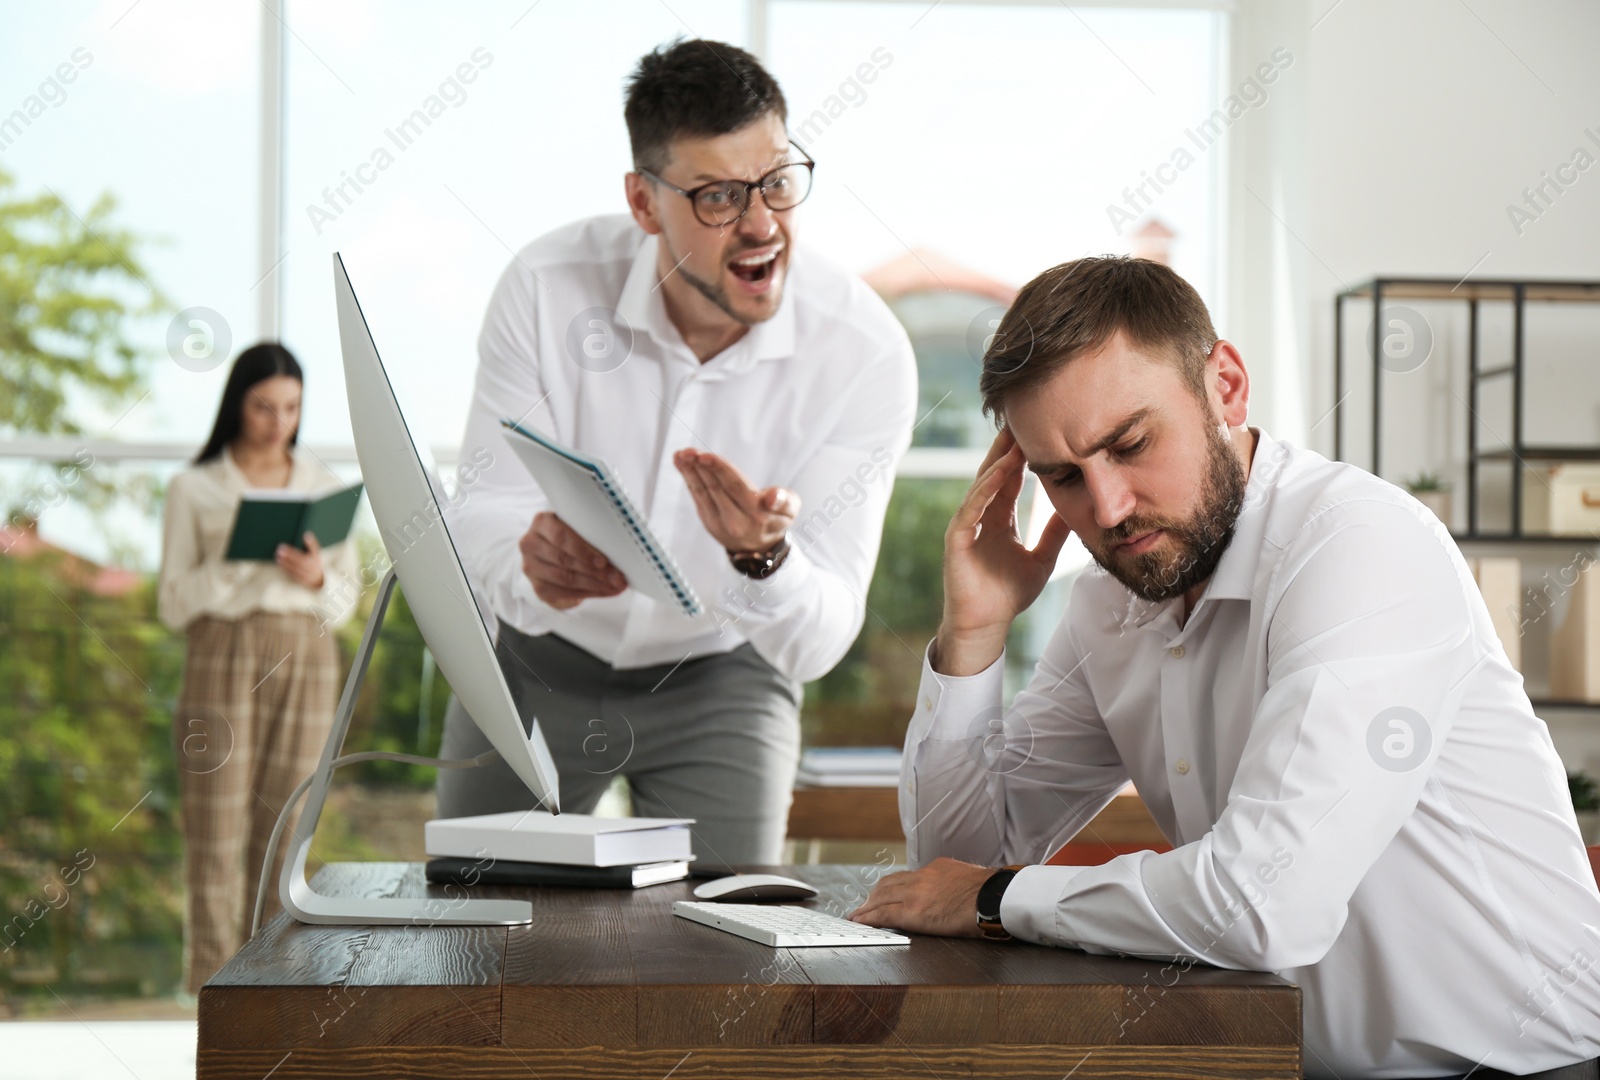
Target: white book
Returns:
[569, 839]
[847, 780]
[851, 759]
[587, 496]
[659, 873]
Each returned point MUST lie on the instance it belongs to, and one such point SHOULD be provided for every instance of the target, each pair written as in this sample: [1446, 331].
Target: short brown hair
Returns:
[695, 89]
[1078, 306]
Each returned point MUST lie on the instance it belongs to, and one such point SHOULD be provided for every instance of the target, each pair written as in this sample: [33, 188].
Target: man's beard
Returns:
[715, 293]
[1190, 550]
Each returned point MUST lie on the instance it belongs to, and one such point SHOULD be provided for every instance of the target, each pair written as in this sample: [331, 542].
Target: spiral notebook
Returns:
[585, 494]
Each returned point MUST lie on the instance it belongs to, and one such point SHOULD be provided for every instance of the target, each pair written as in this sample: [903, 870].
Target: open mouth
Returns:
[755, 269]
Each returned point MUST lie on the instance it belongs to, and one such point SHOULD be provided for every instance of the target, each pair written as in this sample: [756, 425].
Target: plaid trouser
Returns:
[253, 716]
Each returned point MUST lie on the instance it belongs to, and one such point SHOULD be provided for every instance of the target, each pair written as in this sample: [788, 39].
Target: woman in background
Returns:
[261, 674]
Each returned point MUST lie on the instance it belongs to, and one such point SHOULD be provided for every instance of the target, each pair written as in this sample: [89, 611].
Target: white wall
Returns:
[1426, 119]
[1423, 120]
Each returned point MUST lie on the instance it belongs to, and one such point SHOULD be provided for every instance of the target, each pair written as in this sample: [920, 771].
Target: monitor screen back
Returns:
[408, 505]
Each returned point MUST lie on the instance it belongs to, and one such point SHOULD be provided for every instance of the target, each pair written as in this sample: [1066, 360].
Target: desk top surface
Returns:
[597, 937]
[615, 967]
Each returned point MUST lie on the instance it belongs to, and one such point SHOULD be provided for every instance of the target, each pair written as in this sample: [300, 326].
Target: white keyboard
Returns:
[784, 926]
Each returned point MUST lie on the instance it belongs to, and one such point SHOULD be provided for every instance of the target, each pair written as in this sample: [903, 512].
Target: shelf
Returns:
[1544, 453]
[1523, 459]
[1553, 703]
[1449, 289]
[1529, 538]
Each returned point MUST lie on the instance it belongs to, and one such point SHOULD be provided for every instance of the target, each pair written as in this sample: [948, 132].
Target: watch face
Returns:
[753, 565]
[760, 564]
[990, 894]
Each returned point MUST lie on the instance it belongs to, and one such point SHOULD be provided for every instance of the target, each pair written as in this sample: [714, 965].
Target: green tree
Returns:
[90, 858]
[402, 701]
[866, 699]
[88, 844]
[68, 284]
[71, 286]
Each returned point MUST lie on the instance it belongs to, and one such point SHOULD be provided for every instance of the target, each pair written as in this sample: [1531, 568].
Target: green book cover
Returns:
[268, 518]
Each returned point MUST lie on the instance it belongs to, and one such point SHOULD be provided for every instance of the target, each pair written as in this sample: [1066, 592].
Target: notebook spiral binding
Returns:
[660, 559]
[640, 533]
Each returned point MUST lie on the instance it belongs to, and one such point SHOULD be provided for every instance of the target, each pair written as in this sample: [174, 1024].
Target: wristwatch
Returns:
[760, 564]
[989, 895]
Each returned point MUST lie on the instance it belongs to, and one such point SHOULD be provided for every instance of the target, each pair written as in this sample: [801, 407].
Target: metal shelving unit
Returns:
[1519, 293]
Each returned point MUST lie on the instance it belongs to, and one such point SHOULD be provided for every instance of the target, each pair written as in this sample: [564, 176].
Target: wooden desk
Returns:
[611, 984]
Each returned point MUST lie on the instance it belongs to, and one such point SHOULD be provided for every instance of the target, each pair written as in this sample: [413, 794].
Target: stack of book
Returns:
[535, 848]
[850, 766]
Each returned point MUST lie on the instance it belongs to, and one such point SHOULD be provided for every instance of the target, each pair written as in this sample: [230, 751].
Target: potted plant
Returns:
[1586, 802]
[1432, 491]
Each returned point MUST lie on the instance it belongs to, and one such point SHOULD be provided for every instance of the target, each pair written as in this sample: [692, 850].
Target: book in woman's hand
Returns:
[268, 517]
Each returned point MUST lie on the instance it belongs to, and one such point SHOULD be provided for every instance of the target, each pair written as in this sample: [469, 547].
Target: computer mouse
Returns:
[754, 887]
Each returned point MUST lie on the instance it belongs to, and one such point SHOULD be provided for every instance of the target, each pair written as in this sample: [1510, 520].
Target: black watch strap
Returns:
[760, 564]
[990, 894]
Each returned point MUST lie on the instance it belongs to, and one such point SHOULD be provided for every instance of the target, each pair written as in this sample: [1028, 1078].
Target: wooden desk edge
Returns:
[781, 1063]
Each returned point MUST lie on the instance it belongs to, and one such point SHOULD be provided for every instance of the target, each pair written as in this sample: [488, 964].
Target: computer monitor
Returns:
[408, 505]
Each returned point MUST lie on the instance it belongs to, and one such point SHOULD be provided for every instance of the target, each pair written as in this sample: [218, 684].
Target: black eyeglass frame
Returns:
[759, 184]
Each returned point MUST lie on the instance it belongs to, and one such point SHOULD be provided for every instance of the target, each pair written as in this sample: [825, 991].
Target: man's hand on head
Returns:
[738, 515]
[563, 567]
[990, 576]
[941, 898]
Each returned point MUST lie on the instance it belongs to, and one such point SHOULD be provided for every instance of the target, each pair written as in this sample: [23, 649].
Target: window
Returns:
[428, 173]
[962, 149]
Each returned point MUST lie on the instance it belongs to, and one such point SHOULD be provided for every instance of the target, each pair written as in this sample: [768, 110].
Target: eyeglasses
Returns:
[722, 202]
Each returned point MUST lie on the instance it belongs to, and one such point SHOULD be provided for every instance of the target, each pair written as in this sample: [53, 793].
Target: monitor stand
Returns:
[309, 906]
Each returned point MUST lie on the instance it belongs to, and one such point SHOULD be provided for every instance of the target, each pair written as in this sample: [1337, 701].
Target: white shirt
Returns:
[818, 399]
[1418, 873]
[196, 579]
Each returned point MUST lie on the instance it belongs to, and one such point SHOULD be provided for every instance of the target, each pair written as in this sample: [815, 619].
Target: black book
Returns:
[469, 872]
